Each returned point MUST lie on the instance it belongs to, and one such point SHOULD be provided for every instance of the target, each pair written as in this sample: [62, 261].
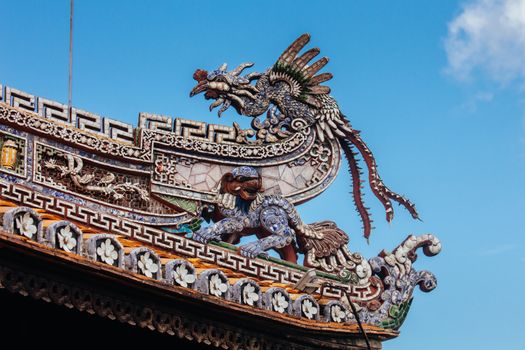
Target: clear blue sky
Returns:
[443, 110]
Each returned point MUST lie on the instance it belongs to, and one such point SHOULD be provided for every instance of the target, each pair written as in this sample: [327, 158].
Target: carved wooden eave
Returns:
[39, 267]
[33, 269]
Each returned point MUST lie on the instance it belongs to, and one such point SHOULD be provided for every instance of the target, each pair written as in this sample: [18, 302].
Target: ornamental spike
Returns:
[314, 68]
[240, 68]
[301, 61]
[290, 53]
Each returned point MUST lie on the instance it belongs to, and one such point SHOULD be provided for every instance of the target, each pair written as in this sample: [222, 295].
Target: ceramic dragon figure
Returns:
[291, 95]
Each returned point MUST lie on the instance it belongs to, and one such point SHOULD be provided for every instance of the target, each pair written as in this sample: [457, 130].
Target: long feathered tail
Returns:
[332, 124]
[384, 194]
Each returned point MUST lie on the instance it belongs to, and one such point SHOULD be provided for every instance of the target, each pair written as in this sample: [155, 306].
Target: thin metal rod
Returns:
[70, 85]
[352, 307]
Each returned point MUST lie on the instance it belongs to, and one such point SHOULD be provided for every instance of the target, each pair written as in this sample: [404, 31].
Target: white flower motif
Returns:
[107, 252]
[249, 295]
[279, 302]
[66, 240]
[309, 309]
[217, 287]
[337, 313]
[147, 265]
[182, 276]
[26, 225]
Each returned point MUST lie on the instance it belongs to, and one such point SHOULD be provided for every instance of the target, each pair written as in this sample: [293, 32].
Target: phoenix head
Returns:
[225, 88]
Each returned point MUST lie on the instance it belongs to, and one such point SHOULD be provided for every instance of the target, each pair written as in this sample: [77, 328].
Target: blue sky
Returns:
[437, 88]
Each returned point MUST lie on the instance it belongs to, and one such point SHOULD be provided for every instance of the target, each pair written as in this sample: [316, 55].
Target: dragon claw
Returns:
[252, 250]
[206, 235]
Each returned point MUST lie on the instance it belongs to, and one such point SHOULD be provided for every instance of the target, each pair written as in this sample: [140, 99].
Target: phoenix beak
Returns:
[200, 87]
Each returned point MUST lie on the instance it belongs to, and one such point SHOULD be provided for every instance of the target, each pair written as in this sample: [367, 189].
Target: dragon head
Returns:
[291, 84]
[225, 88]
[244, 182]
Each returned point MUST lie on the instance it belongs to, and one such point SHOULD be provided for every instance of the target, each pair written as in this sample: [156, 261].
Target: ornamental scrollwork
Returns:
[106, 186]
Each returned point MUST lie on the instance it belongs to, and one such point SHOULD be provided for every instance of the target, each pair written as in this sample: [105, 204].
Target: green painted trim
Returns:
[188, 205]
[397, 315]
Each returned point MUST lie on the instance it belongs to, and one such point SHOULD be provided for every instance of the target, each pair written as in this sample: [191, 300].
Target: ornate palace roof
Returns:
[160, 209]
